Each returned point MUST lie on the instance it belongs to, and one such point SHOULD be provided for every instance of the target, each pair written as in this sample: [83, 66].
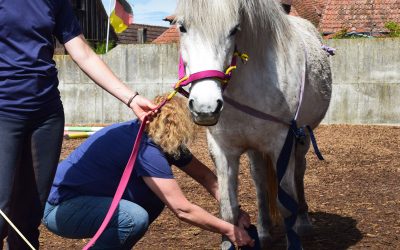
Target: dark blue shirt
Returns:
[28, 76]
[96, 166]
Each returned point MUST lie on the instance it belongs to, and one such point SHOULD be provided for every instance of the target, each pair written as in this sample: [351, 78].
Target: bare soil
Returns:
[354, 195]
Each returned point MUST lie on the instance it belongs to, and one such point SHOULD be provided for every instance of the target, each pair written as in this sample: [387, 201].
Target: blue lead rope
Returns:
[284, 198]
[314, 143]
[300, 135]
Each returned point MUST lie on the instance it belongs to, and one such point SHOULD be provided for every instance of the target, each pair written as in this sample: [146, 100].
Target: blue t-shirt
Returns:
[96, 166]
[28, 76]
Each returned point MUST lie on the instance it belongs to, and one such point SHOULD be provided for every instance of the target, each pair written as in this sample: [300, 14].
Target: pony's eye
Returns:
[234, 30]
[182, 29]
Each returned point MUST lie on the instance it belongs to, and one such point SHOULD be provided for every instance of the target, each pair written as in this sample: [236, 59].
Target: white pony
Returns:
[286, 63]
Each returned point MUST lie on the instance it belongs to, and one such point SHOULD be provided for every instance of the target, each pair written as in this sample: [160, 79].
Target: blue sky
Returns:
[152, 11]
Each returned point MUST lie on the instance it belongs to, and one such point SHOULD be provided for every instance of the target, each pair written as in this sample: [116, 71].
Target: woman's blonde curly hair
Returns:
[172, 127]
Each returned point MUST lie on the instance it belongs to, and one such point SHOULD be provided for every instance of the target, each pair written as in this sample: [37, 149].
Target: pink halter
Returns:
[185, 80]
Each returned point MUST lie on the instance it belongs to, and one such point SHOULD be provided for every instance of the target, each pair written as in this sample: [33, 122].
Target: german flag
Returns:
[121, 16]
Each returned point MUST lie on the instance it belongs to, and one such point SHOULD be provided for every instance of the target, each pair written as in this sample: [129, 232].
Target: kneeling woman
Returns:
[86, 181]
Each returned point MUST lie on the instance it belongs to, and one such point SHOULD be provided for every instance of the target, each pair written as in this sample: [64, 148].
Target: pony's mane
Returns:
[264, 18]
[267, 21]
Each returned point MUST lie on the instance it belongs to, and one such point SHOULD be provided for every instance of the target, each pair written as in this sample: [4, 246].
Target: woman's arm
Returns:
[171, 194]
[203, 175]
[102, 75]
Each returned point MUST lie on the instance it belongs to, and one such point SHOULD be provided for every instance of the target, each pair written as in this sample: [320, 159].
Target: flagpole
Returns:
[108, 25]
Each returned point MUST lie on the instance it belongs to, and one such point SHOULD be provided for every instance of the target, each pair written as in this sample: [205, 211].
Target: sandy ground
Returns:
[354, 195]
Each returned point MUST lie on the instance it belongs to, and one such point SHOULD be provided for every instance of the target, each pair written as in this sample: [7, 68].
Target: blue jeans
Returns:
[80, 217]
[29, 154]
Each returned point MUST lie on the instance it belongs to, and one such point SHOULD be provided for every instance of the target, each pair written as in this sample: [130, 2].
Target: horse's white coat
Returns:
[282, 49]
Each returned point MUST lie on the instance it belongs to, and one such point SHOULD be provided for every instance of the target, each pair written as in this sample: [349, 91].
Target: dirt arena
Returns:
[354, 195]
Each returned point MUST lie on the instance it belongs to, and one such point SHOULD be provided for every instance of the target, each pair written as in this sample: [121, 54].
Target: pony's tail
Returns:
[272, 186]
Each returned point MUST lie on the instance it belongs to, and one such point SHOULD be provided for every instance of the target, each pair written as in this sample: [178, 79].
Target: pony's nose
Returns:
[204, 109]
[191, 101]
[220, 104]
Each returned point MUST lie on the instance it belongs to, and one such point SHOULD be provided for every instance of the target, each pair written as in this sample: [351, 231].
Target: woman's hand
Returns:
[142, 107]
[170, 193]
[240, 237]
[243, 219]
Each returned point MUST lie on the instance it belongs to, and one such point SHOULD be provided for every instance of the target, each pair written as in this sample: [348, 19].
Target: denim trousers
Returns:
[29, 154]
[80, 217]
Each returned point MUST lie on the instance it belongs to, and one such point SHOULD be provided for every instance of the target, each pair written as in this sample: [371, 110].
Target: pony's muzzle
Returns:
[205, 114]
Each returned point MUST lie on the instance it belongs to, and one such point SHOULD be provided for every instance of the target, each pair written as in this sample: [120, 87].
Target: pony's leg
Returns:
[303, 224]
[265, 183]
[227, 164]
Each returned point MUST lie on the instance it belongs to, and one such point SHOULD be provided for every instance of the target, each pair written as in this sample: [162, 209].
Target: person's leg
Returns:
[24, 205]
[80, 217]
[12, 138]
[39, 162]
[46, 149]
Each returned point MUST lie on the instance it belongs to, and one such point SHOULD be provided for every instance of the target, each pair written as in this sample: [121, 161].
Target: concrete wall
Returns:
[366, 82]
[149, 69]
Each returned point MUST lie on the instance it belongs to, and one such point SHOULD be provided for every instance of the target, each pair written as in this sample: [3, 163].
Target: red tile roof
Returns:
[171, 35]
[359, 15]
[130, 34]
[310, 9]
[331, 16]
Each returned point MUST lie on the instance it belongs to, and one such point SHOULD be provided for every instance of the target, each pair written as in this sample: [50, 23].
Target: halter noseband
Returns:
[223, 77]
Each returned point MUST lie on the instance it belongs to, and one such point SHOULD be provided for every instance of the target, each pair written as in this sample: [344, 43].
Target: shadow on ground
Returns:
[331, 232]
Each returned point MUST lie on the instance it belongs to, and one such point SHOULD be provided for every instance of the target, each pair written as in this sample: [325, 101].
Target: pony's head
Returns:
[207, 30]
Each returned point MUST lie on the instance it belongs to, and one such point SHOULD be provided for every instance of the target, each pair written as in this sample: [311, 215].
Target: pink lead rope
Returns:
[121, 186]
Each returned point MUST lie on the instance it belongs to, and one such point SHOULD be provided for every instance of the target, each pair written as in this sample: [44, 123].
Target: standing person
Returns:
[86, 181]
[31, 112]
[286, 4]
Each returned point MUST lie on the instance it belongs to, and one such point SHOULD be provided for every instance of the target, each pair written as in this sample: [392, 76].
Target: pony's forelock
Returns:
[264, 19]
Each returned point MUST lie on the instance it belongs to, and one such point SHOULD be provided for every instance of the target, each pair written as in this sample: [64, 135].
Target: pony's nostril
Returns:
[191, 101]
[220, 103]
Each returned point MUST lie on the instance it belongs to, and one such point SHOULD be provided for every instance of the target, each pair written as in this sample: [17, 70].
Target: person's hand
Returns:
[243, 219]
[143, 107]
[240, 237]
